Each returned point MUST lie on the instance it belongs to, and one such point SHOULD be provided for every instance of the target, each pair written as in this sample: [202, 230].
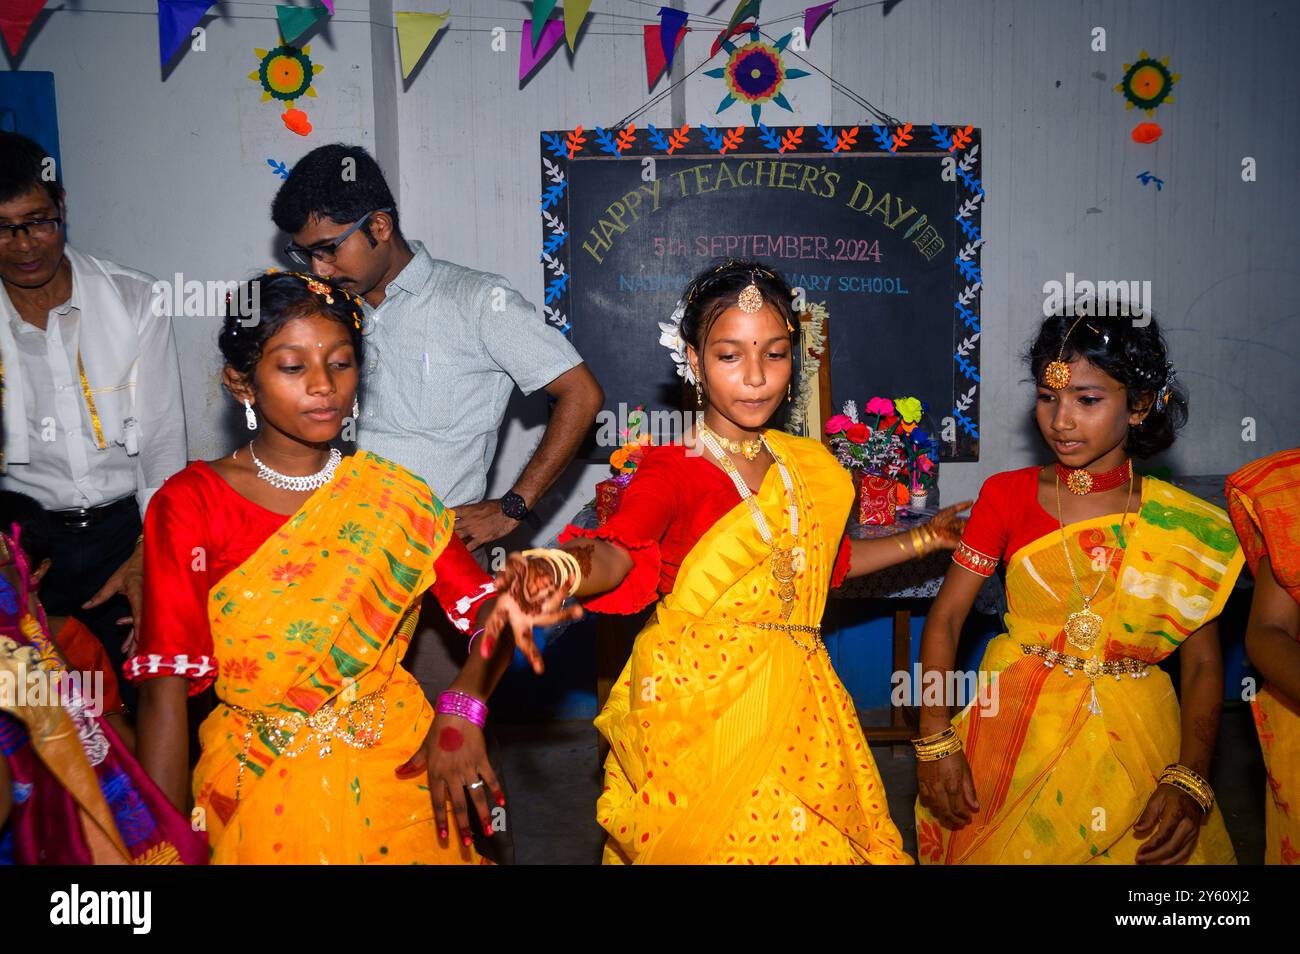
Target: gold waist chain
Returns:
[359, 724]
[790, 629]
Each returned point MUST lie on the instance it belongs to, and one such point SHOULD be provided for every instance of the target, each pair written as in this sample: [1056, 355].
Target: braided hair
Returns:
[1134, 355]
[277, 298]
[712, 292]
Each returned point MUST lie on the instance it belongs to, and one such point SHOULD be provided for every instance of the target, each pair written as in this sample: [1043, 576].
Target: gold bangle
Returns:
[937, 737]
[935, 753]
[1191, 782]
[564, 567]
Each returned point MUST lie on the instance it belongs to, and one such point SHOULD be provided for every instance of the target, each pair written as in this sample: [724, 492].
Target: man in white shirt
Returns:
[93, 421]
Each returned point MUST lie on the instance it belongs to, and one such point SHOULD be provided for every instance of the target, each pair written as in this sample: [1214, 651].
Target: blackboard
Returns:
[883, 229]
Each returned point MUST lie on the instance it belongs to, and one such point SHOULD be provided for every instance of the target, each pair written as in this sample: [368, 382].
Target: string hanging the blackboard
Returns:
[836, 85]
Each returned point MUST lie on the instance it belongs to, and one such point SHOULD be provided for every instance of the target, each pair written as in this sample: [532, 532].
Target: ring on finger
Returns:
[479, 784]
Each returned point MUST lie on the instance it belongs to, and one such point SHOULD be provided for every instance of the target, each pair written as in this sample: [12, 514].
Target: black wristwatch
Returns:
[513, 506]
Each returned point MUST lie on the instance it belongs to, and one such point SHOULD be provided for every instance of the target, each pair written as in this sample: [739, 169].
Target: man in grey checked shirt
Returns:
[446, 346]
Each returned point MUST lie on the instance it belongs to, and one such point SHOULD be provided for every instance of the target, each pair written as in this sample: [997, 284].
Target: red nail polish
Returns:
[442, 834]
[487, 827]
[468, 841]
[501, 799]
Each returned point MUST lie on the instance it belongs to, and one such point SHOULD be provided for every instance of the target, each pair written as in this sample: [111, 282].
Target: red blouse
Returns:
[673, 500]
[1006, 516]
[197, 529]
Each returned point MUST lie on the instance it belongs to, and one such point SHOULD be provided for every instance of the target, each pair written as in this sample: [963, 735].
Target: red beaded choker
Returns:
[1081, 482]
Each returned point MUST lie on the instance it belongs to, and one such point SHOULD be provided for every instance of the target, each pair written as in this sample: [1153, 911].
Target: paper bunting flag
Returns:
[744, 10]
[531, 54]
[176, 20]
[575, 11]
[671, 23]
[725, 35]
[16, 19]
[655, 60]
[541, 14]
[415, 31]
[295, 21]
[813, 17]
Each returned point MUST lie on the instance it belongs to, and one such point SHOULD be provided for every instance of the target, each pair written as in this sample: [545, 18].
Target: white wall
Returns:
[171, 175]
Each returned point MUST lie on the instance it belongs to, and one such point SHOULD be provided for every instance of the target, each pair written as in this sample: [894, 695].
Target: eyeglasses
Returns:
[36, 229]
[326, 251]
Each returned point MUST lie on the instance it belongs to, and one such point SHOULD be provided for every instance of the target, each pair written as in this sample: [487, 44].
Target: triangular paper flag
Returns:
[671, 23]
[813, 16]
[655, 61]
[176, 19]
[728, 34]
[415, 31]
[541, 12]
[532, 54]
[16, 19]
[295, 21]
[329, 5]
[744, 9]
[575, 11]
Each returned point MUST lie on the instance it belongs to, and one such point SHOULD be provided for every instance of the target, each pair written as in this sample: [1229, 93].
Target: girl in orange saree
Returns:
[732, 741]
[1264, 501]
[1084, 757]
[296, 595]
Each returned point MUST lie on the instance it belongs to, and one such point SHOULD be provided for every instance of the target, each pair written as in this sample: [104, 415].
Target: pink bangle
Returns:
[457, 703]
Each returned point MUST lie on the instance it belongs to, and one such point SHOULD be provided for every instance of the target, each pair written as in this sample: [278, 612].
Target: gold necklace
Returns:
[1083, 627]
[787, 562]
[750, 449]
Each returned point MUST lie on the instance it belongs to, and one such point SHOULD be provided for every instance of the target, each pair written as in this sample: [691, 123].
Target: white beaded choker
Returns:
[306, 482]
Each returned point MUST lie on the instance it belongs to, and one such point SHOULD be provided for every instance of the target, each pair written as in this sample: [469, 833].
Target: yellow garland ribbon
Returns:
[90, 404]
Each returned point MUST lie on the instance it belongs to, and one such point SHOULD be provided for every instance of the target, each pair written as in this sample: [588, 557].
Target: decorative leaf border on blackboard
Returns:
[560, 147]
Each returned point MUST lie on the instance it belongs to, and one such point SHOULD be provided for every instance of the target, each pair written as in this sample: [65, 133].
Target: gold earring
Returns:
[699, 396]
[787, 391]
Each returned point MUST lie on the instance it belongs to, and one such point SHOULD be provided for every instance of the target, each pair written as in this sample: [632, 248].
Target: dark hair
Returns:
[316, 187]
[1134, 355]
[277, 298]
[33, 524]
[713, 291]
[22, 166]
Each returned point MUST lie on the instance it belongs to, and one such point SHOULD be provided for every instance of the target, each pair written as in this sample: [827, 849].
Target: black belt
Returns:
[83, 518]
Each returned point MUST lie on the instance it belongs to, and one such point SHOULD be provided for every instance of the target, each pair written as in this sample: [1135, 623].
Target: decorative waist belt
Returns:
[1092, 668]
[358, 724]
[790, 629]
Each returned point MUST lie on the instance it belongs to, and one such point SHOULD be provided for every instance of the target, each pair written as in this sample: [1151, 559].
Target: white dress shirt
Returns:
[129, 355]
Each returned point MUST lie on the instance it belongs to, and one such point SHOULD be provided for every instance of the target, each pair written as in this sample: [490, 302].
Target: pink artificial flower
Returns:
[838, 424]
[881, 406]
[927, 465]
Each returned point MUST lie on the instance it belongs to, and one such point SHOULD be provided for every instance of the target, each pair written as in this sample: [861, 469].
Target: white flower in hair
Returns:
[671, 338]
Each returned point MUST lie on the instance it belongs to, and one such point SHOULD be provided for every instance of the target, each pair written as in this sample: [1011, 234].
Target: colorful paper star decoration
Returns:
[285, 73]
[756, 74]
[1147, 83]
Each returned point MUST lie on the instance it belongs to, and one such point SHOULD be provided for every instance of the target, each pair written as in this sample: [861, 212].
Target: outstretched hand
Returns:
[528, 597]
[947, 525]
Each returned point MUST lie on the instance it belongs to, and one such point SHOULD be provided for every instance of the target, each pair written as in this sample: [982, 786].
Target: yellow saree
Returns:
[1264, 501]
[729, 743]
[299, 756]
[1057, 782]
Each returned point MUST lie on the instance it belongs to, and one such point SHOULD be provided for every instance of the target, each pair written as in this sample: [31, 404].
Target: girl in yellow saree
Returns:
[1264, 501]
[1083, 755]
[732, 741]
[296, 595]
